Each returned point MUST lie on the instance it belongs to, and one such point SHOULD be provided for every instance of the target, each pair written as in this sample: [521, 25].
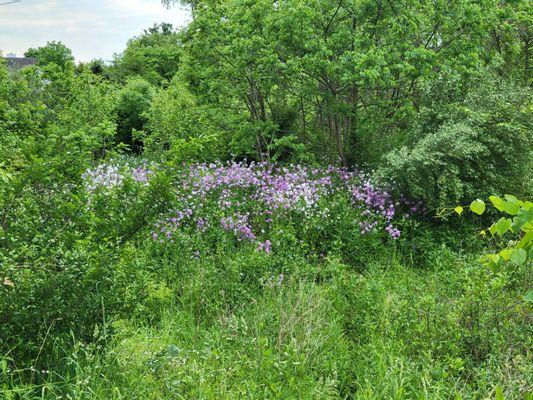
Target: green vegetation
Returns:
[282, 200]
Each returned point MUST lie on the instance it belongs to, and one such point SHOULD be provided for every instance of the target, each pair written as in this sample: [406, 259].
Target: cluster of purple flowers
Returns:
[167, 227]
[142, 174]
[264, 246]
[242, 197]
[239, 225]
[273, 187]
[376, 202]
[392, 231]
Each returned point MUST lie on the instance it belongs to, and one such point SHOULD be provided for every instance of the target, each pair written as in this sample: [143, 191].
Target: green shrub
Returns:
[176, 119]
[482, 147]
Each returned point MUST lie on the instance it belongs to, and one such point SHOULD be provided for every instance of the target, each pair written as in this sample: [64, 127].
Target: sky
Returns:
[90, 28]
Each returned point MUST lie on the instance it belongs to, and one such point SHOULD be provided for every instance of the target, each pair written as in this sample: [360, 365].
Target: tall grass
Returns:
[320, 331]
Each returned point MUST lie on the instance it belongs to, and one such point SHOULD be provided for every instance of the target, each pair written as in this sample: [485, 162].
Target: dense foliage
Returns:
[154, 56]
[263, 204]
[54, 52]
[483, 146]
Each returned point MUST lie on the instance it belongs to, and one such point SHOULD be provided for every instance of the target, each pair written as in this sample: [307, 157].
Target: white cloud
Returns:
[92, 29]
[138, 8]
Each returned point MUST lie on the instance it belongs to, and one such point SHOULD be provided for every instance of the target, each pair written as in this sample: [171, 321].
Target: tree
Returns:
[53, 53]
[154, 56]
[349, 71]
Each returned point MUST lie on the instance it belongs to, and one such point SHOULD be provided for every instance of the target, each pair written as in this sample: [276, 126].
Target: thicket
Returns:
[259, 205]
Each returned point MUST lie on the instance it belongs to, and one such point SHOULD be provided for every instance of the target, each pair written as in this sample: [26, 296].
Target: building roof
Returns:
[16, 63]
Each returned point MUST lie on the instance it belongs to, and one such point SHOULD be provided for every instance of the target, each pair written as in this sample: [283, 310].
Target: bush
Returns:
[174, 118]
[483, 147]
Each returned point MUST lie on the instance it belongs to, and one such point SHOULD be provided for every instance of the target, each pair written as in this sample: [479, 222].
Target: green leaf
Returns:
[529, 296]
[498, 394]
[510, 198]
[496, 202]
[500, 227]
[506, 254]
[478, 206]
[522, 218]
[526, 240]
[511, 208]
[518, 256]
[458, 210]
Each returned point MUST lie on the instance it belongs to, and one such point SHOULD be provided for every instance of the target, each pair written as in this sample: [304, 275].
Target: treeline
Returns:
[434, 95]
